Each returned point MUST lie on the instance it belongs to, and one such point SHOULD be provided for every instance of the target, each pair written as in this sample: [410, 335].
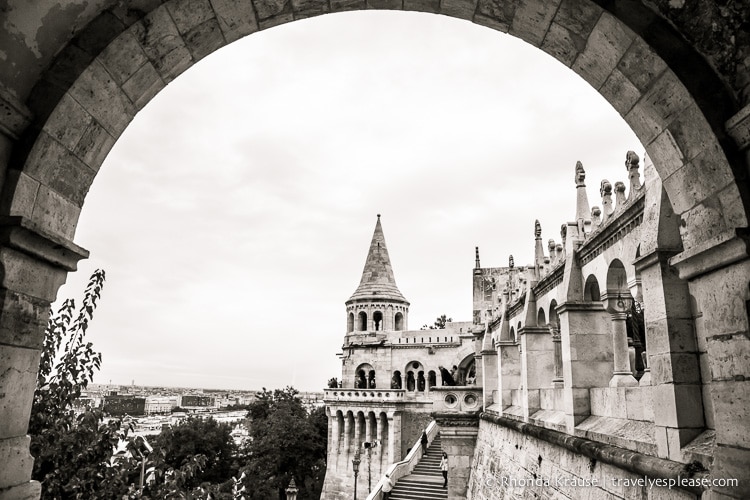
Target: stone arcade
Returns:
[73, 75]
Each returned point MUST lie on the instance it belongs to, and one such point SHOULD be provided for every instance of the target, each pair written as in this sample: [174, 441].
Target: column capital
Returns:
[20, 233]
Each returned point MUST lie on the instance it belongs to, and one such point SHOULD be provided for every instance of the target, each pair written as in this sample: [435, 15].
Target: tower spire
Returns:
[377, 276]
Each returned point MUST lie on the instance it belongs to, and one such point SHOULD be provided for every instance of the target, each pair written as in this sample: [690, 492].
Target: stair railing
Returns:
[405, 466]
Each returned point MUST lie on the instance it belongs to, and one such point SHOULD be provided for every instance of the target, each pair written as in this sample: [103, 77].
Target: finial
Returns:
[378, 216]
[619, 194]
[476, 261]
[510, 262]
[606, 192]
[551, 246]
[631, 164]
[596, 216]
[563, 231]
[580, 174]
[537, 229]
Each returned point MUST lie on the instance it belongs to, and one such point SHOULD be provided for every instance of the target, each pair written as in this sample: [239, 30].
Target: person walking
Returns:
[387, 487]
[444, 469]
[423, 440]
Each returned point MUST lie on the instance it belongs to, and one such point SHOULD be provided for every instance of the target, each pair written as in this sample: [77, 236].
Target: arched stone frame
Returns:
[362, 321]
[359, 431]
[591, 289]
[378, 320]
[361, 375]
[396, 380]
[350, 322]
[398, 322]
[339, 428]
[666, 101]
[541, 318]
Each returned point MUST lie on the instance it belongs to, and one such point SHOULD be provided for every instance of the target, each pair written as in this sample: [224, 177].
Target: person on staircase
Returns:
[444, 469]
[387, 487]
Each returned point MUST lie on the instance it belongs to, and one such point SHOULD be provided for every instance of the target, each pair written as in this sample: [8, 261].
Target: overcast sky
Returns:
[234, 215]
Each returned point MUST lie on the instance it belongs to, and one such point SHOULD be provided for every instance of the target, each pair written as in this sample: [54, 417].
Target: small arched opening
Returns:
[362, 321]
[399, 322]
[377, 319]
[591, 291]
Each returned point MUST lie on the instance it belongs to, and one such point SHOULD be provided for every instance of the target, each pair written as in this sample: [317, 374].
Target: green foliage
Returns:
[286, 442]
[195, 436]
[439, 324]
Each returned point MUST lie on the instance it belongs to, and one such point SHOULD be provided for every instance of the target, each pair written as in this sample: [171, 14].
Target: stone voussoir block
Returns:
[67, 123]
[162, 43]
[309, 8]
[123, 57]
[187, 14]
[97, 92]
[236, 19]
[532, 20]
[620, 92]
[203, 39]
[605, 46]
[143, 85]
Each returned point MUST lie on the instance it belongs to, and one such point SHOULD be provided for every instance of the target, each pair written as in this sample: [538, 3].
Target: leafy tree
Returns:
[74, 453]
[439, 324]
[286, 441]
[196, 436]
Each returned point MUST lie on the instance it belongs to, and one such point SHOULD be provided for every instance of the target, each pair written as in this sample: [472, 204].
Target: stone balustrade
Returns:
[335, 395]
[467, 398]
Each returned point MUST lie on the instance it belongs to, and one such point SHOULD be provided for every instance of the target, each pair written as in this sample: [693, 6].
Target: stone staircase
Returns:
[426, 481]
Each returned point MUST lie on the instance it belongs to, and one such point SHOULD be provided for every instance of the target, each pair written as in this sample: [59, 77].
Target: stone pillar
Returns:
[618, 305]
[394, 436]
[509, 370]
[358, 431]
[537, 365]
[347, 432]
[672, 355]
[368, 428]
[458, 435]
[585, 333]
[557, 378]
[33, 266]
[490, 392]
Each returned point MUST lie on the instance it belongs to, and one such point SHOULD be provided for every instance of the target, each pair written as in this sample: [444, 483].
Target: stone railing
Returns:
[464, 398]
[405, 466]
[363, 395]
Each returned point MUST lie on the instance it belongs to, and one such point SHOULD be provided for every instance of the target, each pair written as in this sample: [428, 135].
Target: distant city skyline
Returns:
[234, 215]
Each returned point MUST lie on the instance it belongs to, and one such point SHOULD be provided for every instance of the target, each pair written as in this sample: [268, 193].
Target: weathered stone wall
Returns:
[508, 464]
[412, 425]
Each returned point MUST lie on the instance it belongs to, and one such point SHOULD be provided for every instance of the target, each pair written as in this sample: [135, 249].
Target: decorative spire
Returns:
[538, 248]
[631, 164]
[377, 276]
[596, 216]
[583, 212]
[619, 195]
[510, 262]
[476, 258]
[606, 191]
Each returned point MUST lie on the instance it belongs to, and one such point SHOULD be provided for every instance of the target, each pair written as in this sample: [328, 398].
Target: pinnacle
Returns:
[377, 276]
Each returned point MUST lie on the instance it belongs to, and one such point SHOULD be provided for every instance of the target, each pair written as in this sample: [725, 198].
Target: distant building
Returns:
[196, 401]
[159, 405]
[117, 405]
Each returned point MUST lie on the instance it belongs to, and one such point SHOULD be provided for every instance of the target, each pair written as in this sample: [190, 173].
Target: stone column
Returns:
[509, 370]
[490, 392]
[394, 436]
[586, 345]
[33, 266]
[347, 432]
[458, 435]
[537, 365]
[557, 379]
[618, 305]
[672, 355]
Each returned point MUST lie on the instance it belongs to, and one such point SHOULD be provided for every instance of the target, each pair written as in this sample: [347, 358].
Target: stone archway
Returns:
[104, 63]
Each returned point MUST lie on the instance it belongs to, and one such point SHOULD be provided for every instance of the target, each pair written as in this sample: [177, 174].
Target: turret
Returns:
[377, 304]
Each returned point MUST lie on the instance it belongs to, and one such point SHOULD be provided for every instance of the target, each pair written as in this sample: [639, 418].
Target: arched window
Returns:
[360, 382]
[591, 290]
[399, 321]
[431, 379]
[362, 321]
[371, 380]
[420, 381]
[377, 318]
[410, 382]
[540, 319]
[350, 323]
[396, 380]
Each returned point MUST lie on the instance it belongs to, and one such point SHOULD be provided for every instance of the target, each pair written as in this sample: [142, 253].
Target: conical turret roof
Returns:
[377, 277]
